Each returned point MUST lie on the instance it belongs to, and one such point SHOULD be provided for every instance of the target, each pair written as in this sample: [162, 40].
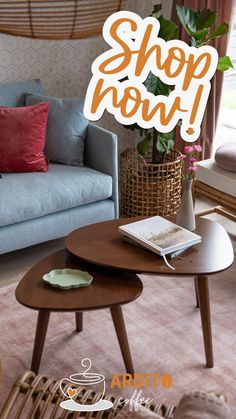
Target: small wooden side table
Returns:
[108, 290]
[102, 245]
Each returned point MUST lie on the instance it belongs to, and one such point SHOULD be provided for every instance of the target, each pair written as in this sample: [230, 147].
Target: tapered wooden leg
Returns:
[196, 292]
[118, 320]
[204, 302]
[79, 321]
[40, 335]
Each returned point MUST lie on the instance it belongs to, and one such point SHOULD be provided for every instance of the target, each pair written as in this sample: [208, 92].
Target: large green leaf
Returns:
[143, 145]
[198, 34]
[186, 16]
[155, 86]
[220, 30]
[165, 141]
[168, 29]
[197, 23]
[191, 23]
[224, 63]
[205, 18]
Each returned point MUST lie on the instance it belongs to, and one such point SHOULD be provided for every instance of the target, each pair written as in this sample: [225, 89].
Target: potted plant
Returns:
[151, 174]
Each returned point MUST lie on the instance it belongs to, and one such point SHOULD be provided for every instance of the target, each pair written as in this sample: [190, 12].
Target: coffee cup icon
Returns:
[71, 387]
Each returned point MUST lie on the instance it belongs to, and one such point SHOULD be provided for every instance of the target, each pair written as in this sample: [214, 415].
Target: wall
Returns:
[63, 66]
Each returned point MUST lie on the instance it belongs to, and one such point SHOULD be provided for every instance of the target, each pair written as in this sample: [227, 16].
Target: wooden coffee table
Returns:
[102, 244]
[109, 289]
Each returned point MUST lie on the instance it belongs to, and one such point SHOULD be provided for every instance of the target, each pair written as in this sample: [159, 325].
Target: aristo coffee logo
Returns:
[74, 385]
[119, 73]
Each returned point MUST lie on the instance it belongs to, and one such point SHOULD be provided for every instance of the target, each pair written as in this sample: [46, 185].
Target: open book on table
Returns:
[159, 235]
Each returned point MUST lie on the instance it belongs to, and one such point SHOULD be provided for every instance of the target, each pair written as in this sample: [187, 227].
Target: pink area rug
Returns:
[164, 331]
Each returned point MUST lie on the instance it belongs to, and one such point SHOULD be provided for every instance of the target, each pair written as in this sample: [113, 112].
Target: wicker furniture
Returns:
[56, 19]
[228, 203]
[149, 189]
[40, 397]
[108, 290]
[102, 245]
[218, 185]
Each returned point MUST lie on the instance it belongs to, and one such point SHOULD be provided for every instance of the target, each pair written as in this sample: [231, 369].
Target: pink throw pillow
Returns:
[22, 138]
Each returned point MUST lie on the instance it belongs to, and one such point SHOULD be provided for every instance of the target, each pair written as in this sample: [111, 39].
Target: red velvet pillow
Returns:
[22, 138]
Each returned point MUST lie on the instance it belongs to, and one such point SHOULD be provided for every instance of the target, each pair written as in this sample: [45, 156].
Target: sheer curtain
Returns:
[225, 11]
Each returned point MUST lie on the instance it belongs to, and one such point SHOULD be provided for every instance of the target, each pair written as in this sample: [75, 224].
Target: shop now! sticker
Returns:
[119, 73]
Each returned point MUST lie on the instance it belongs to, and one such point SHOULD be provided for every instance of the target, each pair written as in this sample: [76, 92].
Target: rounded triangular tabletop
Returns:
[107, 288]
[102, 244]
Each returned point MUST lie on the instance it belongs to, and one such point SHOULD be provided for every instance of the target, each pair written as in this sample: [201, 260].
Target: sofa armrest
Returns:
[101, 153]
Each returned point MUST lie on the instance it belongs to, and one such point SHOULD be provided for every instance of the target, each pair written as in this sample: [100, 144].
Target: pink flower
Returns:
[192, 160]
[181, 157]
[188, 149]
[197, 148]
[193, 169]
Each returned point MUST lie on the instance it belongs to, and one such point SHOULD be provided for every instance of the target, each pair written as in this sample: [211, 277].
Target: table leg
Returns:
[119, 324]
[196, 292]
[79, 321]
[204, 302]
[40, 334]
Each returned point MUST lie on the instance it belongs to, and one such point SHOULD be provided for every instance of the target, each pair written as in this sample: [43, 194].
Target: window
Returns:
[226, 129]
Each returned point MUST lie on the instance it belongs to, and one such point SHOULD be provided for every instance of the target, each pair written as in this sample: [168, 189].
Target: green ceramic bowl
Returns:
[67, 278]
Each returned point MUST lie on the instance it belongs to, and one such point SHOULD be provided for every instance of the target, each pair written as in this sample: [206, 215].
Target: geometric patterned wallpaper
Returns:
[63, 66]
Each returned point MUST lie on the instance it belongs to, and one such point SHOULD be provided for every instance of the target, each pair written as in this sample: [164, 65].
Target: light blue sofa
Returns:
[36, 207]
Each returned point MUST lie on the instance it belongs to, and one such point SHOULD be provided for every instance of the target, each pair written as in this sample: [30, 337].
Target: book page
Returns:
[167, 238]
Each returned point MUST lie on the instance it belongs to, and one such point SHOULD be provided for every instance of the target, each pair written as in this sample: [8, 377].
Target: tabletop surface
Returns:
[108, 288]
[103, 245]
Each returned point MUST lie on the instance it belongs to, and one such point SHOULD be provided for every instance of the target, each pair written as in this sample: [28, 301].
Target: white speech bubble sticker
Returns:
[118, 76]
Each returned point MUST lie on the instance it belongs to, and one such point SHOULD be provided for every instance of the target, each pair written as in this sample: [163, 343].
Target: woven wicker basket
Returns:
[39, 397]
[149, 189]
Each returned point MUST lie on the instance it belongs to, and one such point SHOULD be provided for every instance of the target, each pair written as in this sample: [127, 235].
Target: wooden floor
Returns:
[15, 264]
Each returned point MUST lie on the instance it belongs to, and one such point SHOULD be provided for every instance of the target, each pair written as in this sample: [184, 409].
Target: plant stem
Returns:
[154, 140]
[157, 157]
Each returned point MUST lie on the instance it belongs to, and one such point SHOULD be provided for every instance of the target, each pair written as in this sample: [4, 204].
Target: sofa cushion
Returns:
[25, 196]
[22, 138]
[225, 156]
[66, 129]
[13, 94]
[211, 174]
